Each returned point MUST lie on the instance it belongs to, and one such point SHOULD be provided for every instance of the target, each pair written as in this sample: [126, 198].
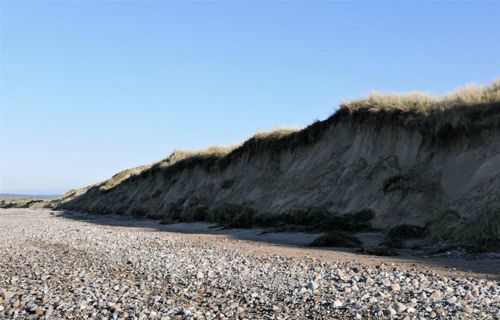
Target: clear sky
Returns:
[91, 88]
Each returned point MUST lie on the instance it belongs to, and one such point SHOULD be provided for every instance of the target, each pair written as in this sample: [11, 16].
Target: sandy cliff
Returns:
[403, 166]
[397, 170]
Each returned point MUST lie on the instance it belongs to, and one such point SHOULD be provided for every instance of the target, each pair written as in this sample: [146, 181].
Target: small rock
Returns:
[313, 285]
[468, 310]
[436, 295]
[337, 304]
[389, 312]
[469, 296]
[240, 310]
[452, 300]
[39, 311]
[399, 307]
[16, 304]
[7, 295]
[475, 291]
[395, 287]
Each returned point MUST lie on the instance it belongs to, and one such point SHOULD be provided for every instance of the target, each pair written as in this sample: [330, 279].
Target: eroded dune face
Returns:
[398, 172]
[402, 165]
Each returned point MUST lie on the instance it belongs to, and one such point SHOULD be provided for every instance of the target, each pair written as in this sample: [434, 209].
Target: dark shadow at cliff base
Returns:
[488, 266]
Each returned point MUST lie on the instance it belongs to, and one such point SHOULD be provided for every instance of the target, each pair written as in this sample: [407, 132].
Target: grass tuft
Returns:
[395, 237]
[481, 234]
[422, 103]
[336, 239]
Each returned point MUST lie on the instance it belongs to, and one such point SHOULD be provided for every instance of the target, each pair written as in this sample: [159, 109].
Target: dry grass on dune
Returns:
[479, 234]
[470, 95]
[437, 113]
[213, 151]
[455, 108]
[276, 133]
[121, 176]
[221, 151]
[181, 159]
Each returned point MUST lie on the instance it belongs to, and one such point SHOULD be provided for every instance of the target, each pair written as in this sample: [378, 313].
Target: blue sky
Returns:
[91, 88]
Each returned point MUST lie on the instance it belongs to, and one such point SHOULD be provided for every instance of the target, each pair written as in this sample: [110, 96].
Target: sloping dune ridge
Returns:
[397, 160]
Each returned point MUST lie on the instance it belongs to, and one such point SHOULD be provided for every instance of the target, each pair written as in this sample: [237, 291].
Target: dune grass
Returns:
[480, 234]
[486, 97]
[467, 106]
[210, 155]
[121, 176]
[466, 111]
[421, 103]
[336, 239]
[206, 153]
[218, 151]
[454, 110]
[276, 133]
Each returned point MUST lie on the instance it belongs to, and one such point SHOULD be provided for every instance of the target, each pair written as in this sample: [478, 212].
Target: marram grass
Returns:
[422, 103]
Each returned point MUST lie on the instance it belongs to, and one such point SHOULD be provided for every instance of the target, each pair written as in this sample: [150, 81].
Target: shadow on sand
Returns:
[298, 242]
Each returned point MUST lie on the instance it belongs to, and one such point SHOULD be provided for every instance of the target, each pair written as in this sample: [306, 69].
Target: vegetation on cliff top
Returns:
[463, 111]
[460, 112]
[416, 102]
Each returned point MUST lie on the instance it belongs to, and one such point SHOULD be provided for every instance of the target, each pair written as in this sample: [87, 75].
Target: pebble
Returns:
[395, 287]
[399, 307]
[313, 285]
[389, 312]
[7, 295]
[452, 300]
[436, 295]
[39, 311]
[80, 269]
